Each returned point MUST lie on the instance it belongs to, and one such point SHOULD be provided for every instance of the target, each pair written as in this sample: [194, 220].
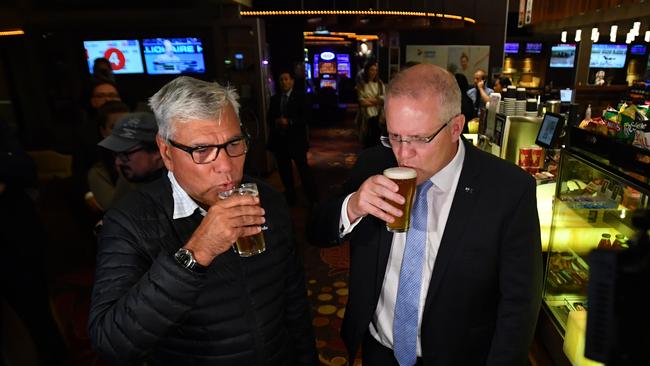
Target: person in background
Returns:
[463, 285]
[480, 93]
[103, 175]
[86, 136]
[288, 137]
[103, 70]
[24, 245]
[371, 102]
[169, 289]
[501, 84]
[466, 106]
[133, 144]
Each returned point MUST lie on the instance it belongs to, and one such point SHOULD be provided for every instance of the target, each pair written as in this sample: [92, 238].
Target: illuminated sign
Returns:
[327, 56]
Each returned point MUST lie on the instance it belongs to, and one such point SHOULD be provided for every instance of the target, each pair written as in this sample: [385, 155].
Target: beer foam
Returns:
[400, 173]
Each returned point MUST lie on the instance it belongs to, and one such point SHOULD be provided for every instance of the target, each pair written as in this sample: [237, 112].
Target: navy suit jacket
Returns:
[292, 139]
[485, 290]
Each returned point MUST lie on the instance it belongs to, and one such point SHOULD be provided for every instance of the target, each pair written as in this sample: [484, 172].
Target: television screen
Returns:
[173, 55]
[566, 95]
[511, 48]
[638, 49]
[563, 55]
[124, 55]
[533, 48]
[608, 55]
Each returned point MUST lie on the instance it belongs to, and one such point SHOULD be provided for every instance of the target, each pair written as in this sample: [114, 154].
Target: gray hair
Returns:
[426, 81]
[184, 99]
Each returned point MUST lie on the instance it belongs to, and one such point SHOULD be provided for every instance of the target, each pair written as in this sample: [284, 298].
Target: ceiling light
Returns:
[563, 37]
[647, 36]
[578, 35]
[612, 33]
[594, 34]
[635, 28]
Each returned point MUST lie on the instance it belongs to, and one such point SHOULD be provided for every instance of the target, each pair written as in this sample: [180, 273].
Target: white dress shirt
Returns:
[184, 205]
[446, 181]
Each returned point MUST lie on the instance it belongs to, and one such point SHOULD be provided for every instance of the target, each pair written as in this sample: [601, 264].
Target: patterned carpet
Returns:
[333, 152]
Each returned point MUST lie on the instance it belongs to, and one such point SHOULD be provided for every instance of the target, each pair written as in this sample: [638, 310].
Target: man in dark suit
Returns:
[169, 289]
[473, 251]
[288, 138]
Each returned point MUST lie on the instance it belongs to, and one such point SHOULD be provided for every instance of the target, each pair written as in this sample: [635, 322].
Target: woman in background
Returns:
[370, 92]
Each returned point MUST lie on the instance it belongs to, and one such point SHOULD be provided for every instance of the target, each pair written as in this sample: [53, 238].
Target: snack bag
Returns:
[626, 118]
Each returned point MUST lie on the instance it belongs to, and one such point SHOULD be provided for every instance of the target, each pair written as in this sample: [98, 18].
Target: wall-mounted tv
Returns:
[563, 55]
[638, 49]
[534, 47]
[608, 55]
[511, 47]
[173, 55]
[124, 55]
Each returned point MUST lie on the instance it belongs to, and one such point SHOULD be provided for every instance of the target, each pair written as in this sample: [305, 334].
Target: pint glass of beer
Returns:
[246, 246]
[405, 178]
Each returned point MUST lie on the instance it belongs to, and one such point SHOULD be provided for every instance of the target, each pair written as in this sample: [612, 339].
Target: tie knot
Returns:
[424, 187]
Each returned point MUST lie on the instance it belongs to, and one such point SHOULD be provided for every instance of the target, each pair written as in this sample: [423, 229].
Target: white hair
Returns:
[185, 99]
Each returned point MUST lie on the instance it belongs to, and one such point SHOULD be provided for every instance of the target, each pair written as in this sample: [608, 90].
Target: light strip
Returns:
[356, 12]
[14, 32]
[317, 38]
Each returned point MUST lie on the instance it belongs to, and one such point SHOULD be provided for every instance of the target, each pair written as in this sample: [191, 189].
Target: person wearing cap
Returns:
[103, 175]
[169, 288]
[136, 157]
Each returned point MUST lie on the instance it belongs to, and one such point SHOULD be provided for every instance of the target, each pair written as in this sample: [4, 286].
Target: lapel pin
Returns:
[469, 190]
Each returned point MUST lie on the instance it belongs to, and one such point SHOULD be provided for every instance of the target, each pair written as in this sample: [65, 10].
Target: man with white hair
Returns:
[169, 290]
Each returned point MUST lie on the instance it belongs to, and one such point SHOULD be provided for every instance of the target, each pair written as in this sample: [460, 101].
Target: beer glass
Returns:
[405, 179]
[247, 246]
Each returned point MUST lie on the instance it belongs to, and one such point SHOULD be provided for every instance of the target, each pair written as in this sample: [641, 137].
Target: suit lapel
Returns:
[383, 252]
[464, 200]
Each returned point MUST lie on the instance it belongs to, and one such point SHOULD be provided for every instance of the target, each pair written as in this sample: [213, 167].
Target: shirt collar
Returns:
[447, 176]
[184, 205]
[288, 93]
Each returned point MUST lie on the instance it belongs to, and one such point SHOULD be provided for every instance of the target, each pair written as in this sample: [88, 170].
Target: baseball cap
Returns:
[131, 130]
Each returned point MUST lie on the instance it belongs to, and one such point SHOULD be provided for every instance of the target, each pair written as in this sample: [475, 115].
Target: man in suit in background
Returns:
[288, 138]
[476, 292]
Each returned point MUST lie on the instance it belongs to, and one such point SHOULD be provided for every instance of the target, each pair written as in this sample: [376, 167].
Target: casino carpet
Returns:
[334, 149]
[333, 152]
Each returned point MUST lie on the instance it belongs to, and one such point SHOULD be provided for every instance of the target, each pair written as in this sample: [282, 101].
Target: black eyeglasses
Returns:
[126, 155]
[204, 154]
[391, 139]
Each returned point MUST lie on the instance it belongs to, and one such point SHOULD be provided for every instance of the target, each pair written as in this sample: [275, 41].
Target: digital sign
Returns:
[173, 55]
[124, 55]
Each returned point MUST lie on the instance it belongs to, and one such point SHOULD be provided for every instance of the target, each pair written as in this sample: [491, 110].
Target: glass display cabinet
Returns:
[593, 206]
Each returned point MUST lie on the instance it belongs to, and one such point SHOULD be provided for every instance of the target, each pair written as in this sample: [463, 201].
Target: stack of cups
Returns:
[531, 107]
[531, 159]
[520, 103]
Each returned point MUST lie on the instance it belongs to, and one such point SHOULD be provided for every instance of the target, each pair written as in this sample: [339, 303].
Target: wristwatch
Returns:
[186, 259]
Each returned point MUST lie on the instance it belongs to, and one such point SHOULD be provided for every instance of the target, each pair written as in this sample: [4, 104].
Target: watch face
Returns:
[183, 257]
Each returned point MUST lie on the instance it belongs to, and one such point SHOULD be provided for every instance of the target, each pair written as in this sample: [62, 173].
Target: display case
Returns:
[593, 206]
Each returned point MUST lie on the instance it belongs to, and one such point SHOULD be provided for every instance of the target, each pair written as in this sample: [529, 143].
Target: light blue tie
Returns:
[405, 321]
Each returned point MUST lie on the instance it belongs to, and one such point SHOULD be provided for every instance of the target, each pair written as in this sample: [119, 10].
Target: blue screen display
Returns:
[173, 55]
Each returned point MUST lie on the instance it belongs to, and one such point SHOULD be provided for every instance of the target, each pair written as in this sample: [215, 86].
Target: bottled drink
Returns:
[604, 242]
